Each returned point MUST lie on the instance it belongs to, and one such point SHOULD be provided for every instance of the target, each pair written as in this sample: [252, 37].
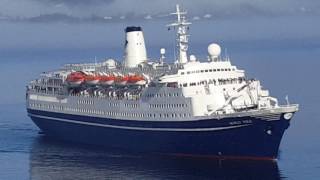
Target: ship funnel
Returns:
[135, 49]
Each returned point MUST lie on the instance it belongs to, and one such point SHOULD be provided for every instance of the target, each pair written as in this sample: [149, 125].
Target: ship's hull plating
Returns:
[241, 137]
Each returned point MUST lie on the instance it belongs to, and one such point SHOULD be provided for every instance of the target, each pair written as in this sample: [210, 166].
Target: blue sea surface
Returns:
[284, 68]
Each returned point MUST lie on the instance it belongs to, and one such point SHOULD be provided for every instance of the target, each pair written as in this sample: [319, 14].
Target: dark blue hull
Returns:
[241, 137]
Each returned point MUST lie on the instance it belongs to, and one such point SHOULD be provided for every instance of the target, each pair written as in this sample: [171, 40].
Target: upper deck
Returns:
[212, 86]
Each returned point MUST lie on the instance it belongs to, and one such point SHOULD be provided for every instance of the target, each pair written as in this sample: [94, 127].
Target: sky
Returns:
[77, 10]
[49, 24]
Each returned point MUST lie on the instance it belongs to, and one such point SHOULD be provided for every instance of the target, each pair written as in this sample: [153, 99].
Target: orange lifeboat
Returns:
[92, 79]
[75, 78]
[107, 80]
[122, 80]
[137, 80]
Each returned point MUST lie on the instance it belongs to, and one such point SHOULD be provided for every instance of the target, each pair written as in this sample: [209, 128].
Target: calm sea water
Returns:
[25, 154]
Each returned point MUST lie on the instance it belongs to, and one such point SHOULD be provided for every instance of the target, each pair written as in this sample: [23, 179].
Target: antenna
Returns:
[181, 36]
[162, 55]
[226, 54]
[287, 99]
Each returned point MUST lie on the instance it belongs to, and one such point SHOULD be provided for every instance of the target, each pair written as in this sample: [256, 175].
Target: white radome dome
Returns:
[162, 51]
[214, 50]
[110, 63]
[193, 58]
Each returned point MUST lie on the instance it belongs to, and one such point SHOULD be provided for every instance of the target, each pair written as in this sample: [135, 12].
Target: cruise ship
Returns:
[185, 106]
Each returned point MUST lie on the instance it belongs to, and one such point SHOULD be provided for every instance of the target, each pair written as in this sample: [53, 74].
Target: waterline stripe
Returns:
[138, 128]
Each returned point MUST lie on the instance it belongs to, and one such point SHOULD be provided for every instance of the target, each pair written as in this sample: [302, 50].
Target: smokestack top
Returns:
[133, 28]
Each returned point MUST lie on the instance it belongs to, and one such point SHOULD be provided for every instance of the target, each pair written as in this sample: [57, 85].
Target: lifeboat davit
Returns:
[107, 80]
[92, 79]
[122, 80]
[75, 79]
[137, 80]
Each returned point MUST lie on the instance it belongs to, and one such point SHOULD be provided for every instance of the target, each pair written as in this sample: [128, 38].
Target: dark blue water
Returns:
[25, 154]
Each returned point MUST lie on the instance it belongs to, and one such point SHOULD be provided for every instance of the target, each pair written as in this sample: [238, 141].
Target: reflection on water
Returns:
[50, 159]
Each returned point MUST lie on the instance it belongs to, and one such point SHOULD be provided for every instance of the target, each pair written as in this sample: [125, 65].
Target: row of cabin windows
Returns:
[114, 104]
[163, 95]
[131, 105]
[85, 102]
[126, 105]
[148, 115]
[110, 104]
[53, 107]
[46, 106]
[215, 82]
[194, 84]
[208, 70]
[108, 113]
[92, 102]
[91, 111]
[167, 105]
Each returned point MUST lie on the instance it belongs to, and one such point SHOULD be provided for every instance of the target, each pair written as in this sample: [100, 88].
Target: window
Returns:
[182, 73]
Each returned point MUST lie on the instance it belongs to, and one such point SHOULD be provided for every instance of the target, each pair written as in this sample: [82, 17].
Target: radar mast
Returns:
[182, 34]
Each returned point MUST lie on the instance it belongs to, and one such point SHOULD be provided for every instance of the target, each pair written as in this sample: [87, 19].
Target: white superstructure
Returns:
[191, 88]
